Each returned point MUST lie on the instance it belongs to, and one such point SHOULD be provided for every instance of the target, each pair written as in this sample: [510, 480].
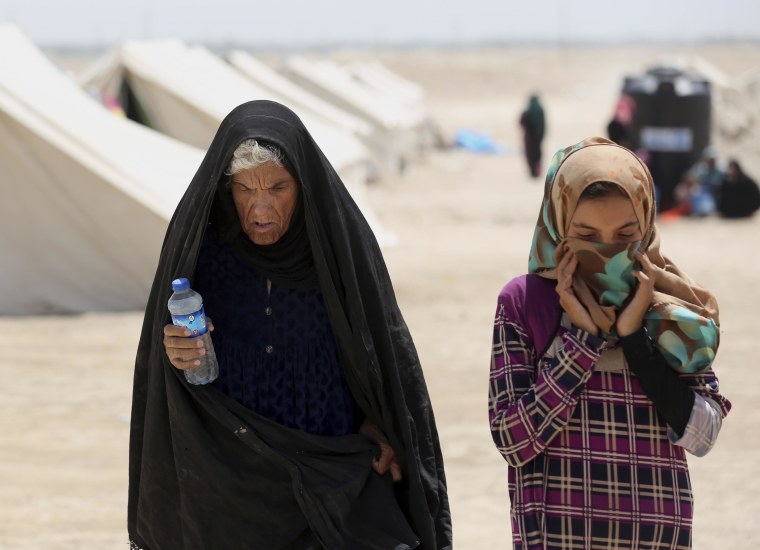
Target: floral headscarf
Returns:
[683, 317]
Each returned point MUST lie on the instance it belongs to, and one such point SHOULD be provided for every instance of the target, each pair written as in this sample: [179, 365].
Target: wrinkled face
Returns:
[609, 220]
[265, 199]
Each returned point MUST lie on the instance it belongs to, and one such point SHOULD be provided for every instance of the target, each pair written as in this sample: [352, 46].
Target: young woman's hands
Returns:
[579, 315]
[631, 318]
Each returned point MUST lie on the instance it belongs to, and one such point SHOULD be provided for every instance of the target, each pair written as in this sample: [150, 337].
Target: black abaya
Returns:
[206, 472]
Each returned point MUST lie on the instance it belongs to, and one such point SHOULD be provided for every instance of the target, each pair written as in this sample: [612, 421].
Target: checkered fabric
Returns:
[590, 462]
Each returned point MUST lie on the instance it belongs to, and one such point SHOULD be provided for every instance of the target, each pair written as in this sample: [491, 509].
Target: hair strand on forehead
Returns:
[602, 190]
[250, 154]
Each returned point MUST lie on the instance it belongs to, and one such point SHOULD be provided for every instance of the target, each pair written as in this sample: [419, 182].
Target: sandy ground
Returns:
[464, 224]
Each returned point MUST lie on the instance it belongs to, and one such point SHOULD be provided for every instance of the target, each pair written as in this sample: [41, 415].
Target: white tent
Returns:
[186, 91]
[296, 97]
[404, 126]
[86, 195]
[409, 95]
[371, 135]
[377, 76]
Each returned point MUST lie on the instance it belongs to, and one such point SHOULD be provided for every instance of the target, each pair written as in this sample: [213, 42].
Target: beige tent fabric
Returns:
[400, 129]
[297, 97]
[86, 195]
[186, 91]
[177, 84]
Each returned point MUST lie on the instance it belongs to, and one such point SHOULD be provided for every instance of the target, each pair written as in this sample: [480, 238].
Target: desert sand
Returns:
[464, 224]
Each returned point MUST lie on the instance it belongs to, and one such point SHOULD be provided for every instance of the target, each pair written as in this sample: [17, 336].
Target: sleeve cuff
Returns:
[638, 348]
[588, 340]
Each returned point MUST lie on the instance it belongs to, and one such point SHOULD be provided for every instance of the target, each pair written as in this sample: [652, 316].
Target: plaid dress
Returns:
[592, 463]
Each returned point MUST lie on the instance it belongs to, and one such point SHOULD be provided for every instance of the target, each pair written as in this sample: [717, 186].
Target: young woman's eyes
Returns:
[593, 236]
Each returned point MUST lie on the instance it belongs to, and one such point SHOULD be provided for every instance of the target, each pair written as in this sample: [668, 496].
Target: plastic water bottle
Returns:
[186, 307]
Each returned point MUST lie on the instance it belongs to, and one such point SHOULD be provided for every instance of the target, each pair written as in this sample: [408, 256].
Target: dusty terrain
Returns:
[464, 224]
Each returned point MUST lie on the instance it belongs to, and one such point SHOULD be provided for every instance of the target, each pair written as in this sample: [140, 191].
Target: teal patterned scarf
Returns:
[683, 317]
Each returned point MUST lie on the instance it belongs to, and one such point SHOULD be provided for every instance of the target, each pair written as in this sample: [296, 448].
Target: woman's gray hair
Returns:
[250, 154]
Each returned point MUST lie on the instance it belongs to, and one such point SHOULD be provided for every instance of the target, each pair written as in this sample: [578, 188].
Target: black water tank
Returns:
[671, 121]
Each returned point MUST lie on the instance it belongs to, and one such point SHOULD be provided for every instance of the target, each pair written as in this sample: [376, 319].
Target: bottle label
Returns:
[196, 322]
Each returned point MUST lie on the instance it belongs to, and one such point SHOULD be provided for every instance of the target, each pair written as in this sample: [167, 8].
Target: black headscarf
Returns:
[202, 465]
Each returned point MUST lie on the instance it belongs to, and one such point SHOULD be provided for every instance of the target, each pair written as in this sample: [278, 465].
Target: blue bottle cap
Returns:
[180, 284]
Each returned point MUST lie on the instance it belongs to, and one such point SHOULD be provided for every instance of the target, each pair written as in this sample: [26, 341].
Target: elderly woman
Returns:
[601, 375]
[318, 432]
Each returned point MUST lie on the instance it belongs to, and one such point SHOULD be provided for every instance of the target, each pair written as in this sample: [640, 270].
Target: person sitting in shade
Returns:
[738, 196]
[691, 199]
[707, 171]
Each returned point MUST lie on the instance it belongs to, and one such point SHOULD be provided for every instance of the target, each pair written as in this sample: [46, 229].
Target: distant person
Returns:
[601, 374]
[708, 173]
[739, 196]
[318, 432]
[619, 128]
[533, 123]
[618, 132]
[691, 199]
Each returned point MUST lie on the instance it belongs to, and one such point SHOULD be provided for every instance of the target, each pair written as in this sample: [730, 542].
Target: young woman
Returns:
[601, 376]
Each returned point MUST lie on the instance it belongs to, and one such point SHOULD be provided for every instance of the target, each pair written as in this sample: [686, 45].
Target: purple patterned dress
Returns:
[592, 463]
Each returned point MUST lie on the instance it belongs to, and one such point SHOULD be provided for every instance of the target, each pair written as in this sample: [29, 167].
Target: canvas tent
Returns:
[86, 196]
[404, 126]
[186, 91]
[296, 97]
[409, 95]
[370, 134]
[377, 76]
